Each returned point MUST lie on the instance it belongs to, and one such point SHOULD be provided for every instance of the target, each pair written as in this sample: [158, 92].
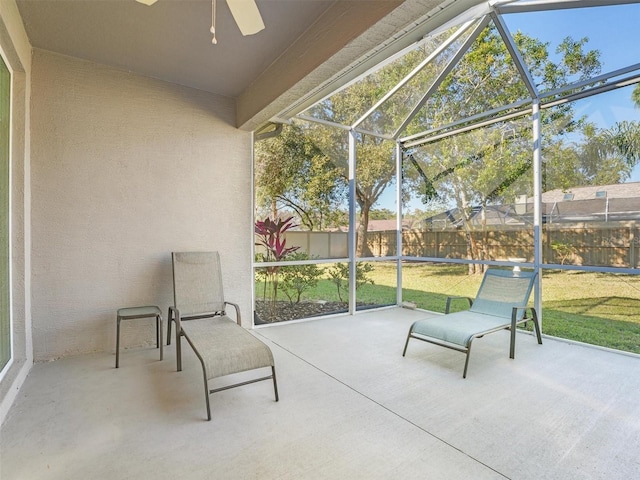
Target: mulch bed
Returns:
[292, 311]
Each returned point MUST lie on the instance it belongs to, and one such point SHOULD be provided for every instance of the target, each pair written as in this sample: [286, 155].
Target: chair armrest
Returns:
[514, 314]
[237, 308]
[174, 314]
[446, 311]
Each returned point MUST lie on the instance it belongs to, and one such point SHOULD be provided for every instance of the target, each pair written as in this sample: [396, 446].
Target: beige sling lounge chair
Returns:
[199, 312]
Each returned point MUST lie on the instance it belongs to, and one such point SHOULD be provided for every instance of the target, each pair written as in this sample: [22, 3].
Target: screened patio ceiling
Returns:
[403, 91]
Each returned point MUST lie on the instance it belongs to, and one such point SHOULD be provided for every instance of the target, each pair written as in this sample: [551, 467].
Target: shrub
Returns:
[564, 251]
[339, 275]
[296, 279]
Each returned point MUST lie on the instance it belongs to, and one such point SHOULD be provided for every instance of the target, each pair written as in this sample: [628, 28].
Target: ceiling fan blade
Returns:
[147, 2]
[246, 15]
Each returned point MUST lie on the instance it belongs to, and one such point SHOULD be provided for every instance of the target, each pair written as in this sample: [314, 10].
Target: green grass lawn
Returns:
[596, 308]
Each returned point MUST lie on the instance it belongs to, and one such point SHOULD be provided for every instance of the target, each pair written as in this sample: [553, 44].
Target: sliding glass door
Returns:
[5, 310]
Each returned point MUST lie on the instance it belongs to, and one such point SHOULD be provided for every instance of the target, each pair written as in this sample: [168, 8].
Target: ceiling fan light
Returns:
[147, 2]
[246, 15]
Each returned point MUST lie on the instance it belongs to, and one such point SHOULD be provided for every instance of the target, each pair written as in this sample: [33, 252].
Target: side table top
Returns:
[139, 312]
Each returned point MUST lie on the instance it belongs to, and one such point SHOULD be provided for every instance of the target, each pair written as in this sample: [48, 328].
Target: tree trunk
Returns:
[474, 254]
[465, 214]
[362, 248]
[484, 254]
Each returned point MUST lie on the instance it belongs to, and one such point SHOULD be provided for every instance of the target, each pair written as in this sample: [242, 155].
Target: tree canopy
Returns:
[294, 175]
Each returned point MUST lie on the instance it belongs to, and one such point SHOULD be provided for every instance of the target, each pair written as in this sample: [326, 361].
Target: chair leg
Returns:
[179, 349]
[204, 370]
[275, 384]
[178, 336]
[206, 383]
[118, 343]
[512, 346]
[536, 326]
[406, 344]
[466, 362]
[178, 352]
[206, 395]
[169, 327]
[159, 329]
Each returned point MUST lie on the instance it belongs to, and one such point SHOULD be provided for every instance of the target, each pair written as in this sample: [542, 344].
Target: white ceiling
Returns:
[169, 40]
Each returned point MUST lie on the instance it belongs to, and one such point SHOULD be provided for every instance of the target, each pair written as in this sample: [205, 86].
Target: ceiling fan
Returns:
[245, 13]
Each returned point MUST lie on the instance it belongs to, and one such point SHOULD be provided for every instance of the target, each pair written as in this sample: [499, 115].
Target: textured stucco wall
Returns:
[126, 169]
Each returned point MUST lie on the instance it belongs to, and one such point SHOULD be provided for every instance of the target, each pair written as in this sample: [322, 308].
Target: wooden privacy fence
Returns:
[597, 244]
[495, 244]
[612, 244]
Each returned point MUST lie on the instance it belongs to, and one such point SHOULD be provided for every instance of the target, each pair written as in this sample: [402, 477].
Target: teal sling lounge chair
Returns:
[501, 303]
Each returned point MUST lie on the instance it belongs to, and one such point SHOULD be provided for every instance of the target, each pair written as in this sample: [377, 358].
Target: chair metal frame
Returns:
[175, 316]
[519, 315]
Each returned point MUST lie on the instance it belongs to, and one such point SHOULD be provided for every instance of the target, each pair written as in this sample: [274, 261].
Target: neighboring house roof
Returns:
[378, 226]
[593, 203]
[493, 215]
[618, 190]
[384, 225]
[598, 203]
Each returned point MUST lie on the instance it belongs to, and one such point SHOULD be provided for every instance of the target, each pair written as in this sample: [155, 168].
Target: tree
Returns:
[382, 214]
[602, 156]
[493, 164]
[293, 174]
[375, 168]
[607, 156]
[624, 137]
[635, 95]
[305, 170]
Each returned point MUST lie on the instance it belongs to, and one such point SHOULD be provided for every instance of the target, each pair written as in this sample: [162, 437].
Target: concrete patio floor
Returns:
[351, 407]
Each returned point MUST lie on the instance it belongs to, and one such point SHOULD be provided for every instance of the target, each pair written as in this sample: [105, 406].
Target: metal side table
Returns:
[132, 313]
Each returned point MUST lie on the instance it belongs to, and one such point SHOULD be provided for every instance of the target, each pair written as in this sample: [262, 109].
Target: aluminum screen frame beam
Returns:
[440, 78]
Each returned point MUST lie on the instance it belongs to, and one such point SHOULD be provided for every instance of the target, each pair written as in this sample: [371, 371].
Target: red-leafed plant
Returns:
[270, 236]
